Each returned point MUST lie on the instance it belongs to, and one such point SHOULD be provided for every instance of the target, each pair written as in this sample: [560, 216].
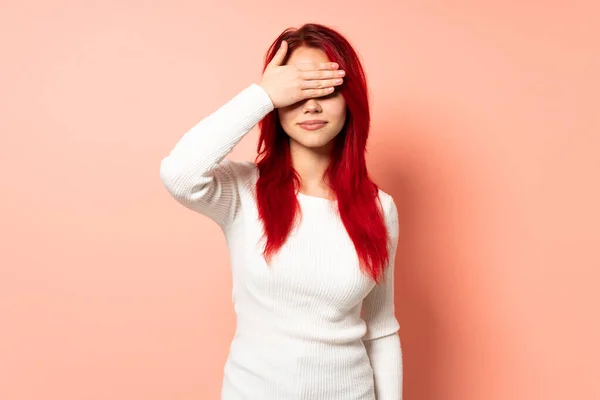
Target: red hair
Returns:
[357, 195]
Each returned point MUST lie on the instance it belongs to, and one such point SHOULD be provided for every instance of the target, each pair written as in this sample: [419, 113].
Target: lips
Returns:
[312, 125]
[313, 122]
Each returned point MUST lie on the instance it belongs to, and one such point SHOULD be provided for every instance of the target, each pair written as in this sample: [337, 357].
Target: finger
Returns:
[309, 93]
[317, 66]
[321, 84]
[280, 55]
[322, 74]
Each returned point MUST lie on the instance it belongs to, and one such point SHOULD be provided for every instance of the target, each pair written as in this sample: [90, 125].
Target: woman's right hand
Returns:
[288, 84]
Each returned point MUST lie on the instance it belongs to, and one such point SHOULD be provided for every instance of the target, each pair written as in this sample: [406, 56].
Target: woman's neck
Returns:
[311, 164]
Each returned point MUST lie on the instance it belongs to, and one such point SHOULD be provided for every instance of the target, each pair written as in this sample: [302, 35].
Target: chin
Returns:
[312, 139]
[314, 144]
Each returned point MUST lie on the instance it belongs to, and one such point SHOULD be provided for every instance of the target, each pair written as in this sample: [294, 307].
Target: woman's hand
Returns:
[288, 84]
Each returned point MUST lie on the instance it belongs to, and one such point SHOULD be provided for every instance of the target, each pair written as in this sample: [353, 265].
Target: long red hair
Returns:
[357, 195]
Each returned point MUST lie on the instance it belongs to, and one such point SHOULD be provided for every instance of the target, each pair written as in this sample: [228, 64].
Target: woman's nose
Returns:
[312, 105]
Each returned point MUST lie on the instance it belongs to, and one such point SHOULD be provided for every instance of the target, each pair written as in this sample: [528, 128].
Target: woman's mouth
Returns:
[312, 125]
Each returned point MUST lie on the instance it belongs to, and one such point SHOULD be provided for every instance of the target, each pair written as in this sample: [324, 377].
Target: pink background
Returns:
[485, 130]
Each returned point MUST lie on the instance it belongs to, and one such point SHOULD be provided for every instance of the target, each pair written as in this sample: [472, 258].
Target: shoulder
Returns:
[390, 212]
[388, 204]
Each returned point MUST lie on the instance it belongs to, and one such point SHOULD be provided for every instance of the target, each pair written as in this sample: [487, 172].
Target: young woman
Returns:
[311, 238]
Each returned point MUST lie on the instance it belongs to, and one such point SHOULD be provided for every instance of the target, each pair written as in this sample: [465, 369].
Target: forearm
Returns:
[385, 354]
[208, 142]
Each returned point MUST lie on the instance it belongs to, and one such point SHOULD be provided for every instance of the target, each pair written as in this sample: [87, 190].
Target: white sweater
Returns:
[311, 326]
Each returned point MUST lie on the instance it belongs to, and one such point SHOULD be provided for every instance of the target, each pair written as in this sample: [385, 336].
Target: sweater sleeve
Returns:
[196, 172]
[382, 340]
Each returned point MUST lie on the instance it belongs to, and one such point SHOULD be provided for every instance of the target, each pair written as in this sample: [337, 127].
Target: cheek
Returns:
[339, 111]
[337, 106]
[286, 115]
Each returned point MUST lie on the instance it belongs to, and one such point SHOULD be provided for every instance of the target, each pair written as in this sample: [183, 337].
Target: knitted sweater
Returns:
[310, 326]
